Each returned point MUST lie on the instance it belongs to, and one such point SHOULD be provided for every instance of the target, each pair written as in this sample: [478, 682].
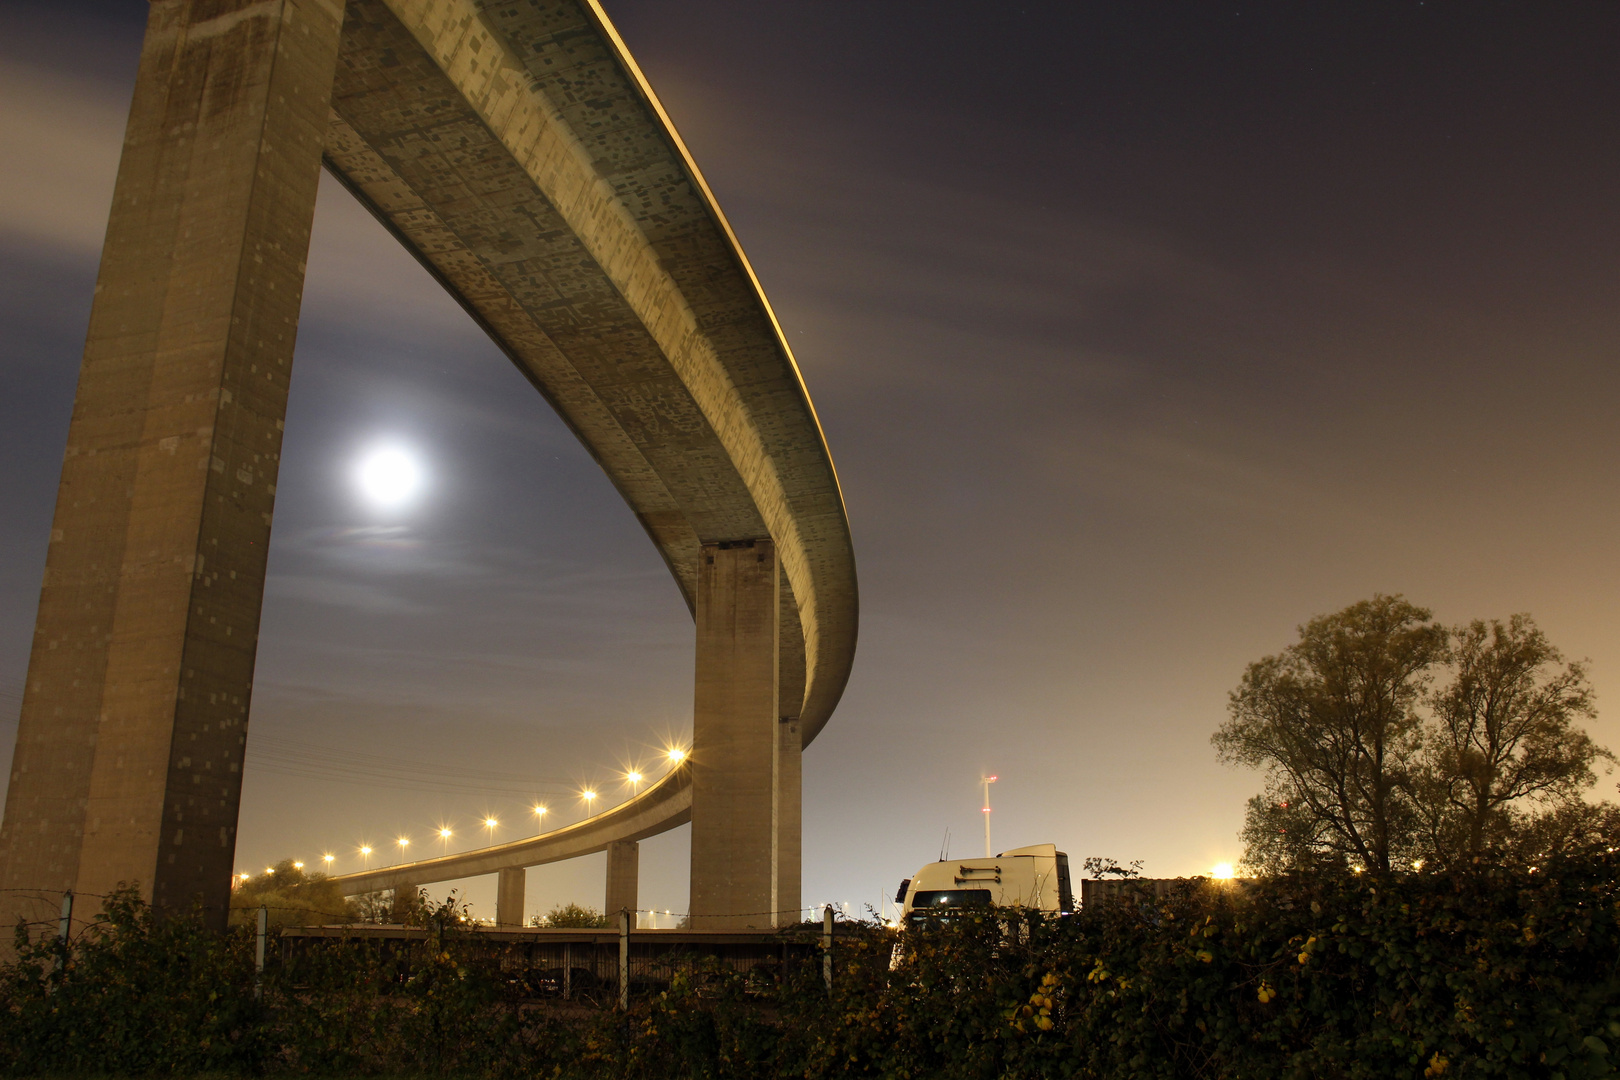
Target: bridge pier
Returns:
[737, 815]
[623, 877]
[129, 751]
[787, 821]
[406, 897]
[509, 882]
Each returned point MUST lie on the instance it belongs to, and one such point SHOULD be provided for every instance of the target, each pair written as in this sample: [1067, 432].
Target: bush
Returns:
[1487, 974]
[1491, 973]
[574, 917]
[137, 996]
[292, 898]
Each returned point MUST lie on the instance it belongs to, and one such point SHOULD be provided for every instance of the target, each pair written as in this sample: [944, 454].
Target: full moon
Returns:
[388, 476]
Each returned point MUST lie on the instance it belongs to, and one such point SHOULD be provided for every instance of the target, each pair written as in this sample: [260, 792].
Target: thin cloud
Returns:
[63, 137]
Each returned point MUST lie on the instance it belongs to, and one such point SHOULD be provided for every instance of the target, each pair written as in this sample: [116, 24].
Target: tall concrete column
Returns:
[129, 751]
[787, 819]
[509, 884]
[734, 737]
[623, 877]
[406, 899]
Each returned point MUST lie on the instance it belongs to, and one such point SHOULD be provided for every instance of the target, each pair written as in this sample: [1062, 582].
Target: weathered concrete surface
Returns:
[735, 724]
[406, 896]
[509, 883]
[129, 750]
[787, 817]
[623, 877]
[517, 151]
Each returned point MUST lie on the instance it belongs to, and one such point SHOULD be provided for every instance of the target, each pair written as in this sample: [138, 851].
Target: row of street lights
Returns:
[675, 755]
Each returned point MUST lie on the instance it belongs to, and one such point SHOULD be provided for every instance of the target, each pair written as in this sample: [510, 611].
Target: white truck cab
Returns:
[1028, 877]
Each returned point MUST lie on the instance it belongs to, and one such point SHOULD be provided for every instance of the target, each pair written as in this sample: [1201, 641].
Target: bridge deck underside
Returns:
[520, 160]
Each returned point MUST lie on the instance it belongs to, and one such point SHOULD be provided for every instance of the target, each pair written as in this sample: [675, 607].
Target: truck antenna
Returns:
[945, 845]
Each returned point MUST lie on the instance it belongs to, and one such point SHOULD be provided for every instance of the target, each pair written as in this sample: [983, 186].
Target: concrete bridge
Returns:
[518, 153]
[617, 831]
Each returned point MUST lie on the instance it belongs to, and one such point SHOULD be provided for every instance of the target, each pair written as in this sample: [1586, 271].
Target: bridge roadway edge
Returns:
[760, 463]
[665, 805]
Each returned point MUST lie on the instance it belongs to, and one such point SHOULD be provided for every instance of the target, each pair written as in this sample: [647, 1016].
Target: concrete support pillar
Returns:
[406, 899]
[623, 877]
[509, 896]
[129, 751]
[787, 820]
[735, 737]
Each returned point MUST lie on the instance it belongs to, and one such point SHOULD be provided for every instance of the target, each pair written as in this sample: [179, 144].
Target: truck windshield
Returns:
[951, 898]
[937, 906]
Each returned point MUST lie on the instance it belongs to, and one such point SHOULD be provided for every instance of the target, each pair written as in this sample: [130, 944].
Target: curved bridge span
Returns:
[518, 153]
[666, 804]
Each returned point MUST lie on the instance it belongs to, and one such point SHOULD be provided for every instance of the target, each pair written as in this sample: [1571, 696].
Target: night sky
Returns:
[1140, 333]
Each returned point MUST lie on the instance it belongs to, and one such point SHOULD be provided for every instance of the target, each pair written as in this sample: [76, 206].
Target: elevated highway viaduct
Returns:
[618, 832]
[518, 153]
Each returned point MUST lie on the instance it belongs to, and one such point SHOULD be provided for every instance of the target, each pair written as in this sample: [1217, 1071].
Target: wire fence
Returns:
[592, 965]
[839, 914]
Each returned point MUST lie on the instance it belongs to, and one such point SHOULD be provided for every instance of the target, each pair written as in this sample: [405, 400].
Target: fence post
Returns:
[63, 929]
[258, 952]
[624, 958]
[826, 946]
[568, 971]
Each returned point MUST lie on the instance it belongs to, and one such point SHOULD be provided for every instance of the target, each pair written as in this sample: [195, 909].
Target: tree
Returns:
[1333, 720]
[293, 898]
[1365, 766]
[575, 917]
[1506, 766]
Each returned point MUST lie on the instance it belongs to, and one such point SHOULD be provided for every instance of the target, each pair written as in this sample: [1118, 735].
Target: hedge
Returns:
[1487, 973]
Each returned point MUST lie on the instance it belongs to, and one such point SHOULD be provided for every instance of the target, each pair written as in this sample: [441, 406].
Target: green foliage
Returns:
[574, 916]
[435, 1006]
[292, 897]
[1344, 977]
[137, 996]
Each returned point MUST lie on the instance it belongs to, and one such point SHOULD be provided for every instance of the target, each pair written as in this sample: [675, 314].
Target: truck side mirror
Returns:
[900, 897]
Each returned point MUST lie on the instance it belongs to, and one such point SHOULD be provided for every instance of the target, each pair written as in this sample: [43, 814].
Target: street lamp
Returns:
[404, 842]
[365, 854]
[327, 859]
[298, 866]
[589, 796]
[634, 780]
[444, 838]
[539, 817]
[489, 826]
[676, 755]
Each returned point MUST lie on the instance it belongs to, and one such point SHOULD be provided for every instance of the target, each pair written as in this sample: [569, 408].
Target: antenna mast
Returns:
[987, 781]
